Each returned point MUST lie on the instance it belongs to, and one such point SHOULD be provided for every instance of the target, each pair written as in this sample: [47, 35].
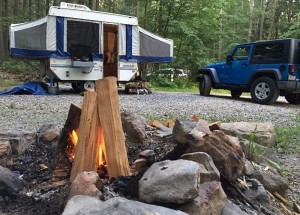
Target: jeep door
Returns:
[236, 70]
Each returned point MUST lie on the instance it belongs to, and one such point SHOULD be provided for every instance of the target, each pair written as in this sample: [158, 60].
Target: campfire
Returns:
[97, 141]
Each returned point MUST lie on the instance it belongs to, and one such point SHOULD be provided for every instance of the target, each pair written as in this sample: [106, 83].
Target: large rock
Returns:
[10, 183]
[264, 132]
[272, 181]
[232, 209]
[211, 200]
[81, 205]
[118, 206]
[84, 205]
[226, 152]
[203, 158]
[85, 184]
[19, 141]
[49, 132]
[170, 181]
[134, 126]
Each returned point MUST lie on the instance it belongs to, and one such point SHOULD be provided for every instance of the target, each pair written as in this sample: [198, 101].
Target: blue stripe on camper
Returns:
[31, 53]
[60, 35]
[147, 59]
[128, 42]
[15, 52]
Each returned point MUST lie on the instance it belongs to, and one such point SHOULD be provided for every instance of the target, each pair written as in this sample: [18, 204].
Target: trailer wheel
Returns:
[76, 86]
[88, 85]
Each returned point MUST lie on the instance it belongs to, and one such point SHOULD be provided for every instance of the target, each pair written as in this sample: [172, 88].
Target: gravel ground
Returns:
[29, 112]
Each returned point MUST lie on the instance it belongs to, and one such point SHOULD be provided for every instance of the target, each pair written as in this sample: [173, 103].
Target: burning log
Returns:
[87, 146]
[101, 139]
[110, 119]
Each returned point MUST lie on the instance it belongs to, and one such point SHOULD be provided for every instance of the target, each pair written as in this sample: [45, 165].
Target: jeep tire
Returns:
[264, 90]
[236, 94]
[293, 98]
[205, 85]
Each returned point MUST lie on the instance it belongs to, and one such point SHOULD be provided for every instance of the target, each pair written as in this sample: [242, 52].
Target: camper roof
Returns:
[78, 11]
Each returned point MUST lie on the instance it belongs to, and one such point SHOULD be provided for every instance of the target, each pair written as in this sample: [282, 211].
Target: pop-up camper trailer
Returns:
[80, 46]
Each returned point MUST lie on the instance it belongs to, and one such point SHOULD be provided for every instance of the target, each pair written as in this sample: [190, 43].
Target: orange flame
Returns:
[101, 148]
[71, 147]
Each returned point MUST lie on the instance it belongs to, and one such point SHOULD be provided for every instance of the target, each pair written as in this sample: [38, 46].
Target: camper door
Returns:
[110, 50]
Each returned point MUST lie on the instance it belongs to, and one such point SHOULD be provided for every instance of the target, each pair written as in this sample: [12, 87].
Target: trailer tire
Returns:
[76, 86]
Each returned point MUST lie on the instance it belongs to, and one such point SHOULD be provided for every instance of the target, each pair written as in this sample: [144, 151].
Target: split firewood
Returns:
[169, 123]
[286, 210]
[285, 201]
[155, 123]
[195, 118]
[296, 207]
[215, 126]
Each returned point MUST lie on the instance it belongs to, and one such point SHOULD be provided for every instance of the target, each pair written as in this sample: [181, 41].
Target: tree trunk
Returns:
[2, 54]
[289, 10]
[262, 20]
[251, 7]
[146, 15]
[5, 29]
[159, 17]
[39, 9]
[16, 7]
[91, 4]
[271, 29]
[97, 5]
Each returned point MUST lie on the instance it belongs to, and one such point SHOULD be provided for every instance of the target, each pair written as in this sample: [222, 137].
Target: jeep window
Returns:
[241, 53]
[270, 51]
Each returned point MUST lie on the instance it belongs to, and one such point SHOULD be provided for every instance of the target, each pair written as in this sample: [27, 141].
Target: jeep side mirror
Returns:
[229, 58]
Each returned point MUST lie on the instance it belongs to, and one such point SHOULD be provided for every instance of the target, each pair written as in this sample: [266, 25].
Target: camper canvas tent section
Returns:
[79, 45]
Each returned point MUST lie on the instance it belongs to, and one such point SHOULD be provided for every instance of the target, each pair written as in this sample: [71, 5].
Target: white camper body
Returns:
[80, 46]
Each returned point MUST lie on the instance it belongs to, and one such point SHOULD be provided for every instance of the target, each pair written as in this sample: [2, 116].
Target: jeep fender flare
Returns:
[272, 73]
[211, 72]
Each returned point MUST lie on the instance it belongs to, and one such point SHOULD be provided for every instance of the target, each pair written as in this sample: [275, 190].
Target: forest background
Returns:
[203, 31]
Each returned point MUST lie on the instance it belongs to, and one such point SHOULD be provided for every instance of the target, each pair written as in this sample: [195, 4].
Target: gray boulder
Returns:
[203, 158]
[10, 183]
[49, 132]
[233, 209]
[170, 181]
[211, 200]
[264, 134]
[85, 205]
[134, 126]
[5, 154]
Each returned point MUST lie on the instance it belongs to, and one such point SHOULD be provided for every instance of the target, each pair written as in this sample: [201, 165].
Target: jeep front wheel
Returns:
[205, 85]
[293, 98]
[264, 90]
[236, 94]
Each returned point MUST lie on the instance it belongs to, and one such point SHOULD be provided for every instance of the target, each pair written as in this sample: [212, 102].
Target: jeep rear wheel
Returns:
[236, 94]
[293, 98]
[205, 85]
[264, 90]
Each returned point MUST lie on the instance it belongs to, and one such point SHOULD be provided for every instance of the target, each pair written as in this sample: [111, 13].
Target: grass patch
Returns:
[8, 83]
[288, 137]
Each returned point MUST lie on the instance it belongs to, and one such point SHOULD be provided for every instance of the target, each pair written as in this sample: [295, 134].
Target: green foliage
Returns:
[254, 150]
[14, 71]
[179, 84]
[288, 137]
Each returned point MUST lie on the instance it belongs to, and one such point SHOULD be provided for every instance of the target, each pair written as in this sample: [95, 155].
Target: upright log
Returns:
[86, 150]
[110, 119]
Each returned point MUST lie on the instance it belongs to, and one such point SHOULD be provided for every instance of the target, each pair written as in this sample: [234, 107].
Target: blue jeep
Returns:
[266, 69]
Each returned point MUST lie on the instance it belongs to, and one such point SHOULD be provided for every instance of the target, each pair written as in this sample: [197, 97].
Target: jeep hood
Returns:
[216, 65]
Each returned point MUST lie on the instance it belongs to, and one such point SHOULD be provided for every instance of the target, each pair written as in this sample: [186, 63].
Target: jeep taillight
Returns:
[291, 69]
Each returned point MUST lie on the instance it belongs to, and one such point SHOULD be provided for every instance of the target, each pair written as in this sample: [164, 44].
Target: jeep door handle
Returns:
[244, 65]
